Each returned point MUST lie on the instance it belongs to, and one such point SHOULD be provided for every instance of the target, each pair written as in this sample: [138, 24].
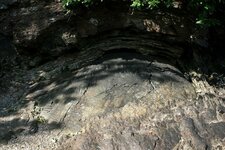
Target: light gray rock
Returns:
[111, 99]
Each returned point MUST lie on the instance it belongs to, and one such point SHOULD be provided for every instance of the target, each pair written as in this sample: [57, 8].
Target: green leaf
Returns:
[199, 22]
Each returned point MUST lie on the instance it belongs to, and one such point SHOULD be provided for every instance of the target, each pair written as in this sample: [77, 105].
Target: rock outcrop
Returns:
[44, 27]
[121, 100]
[114, 82]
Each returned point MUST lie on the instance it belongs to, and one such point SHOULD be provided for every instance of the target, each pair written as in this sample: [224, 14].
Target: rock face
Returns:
[5, 4]
[121, 89]
[120, 100]
[44, 27]
[6, 48]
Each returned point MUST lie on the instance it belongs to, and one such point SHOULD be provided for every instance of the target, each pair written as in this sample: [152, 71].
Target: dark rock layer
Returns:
[44, 28]
[120, 90]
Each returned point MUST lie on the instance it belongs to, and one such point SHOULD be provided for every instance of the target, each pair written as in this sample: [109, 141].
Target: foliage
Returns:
[134, 3]
[151, 4]
[204, 10]
[68, 3]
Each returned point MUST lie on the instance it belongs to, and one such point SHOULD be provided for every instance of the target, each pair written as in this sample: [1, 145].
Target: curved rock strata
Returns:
[120, 90]
[122, 100]
[44, 28]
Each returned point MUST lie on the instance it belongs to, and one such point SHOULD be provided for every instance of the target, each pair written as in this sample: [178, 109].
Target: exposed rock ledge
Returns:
[119, 101]
[44, 28]
[97, 99]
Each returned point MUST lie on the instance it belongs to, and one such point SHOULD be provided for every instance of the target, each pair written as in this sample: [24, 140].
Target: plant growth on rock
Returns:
[206, 12]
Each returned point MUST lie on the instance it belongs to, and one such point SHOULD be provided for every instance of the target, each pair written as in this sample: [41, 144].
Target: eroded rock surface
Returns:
[44, 27]
[96, 99]
[117, 101]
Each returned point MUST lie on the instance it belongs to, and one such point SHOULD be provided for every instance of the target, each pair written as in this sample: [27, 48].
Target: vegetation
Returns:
[205, 11]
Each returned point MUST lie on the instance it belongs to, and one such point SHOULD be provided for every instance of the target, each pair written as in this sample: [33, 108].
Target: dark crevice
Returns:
[126, 54]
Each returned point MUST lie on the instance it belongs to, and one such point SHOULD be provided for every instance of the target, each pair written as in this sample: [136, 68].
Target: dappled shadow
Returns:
[110, 64]
[11, 129]
[204, 64]
[71, 85]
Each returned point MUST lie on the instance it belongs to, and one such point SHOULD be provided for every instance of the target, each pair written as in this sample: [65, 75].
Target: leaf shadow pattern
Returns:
[13, 128]
[100, 70]
[71, 86]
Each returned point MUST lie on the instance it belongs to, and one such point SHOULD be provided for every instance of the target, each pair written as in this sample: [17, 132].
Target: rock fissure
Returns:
[155, 144]
[104, 80]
